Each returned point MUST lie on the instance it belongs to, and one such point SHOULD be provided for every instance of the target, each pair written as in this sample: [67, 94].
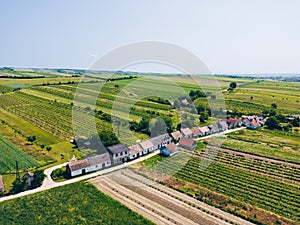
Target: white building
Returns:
[186, 132]
[135, 151]
[147, 147]
[160, 141]
[78, 167]
[98, 162]
[119, 153]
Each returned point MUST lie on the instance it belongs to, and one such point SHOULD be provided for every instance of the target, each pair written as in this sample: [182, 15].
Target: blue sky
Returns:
[229, 36]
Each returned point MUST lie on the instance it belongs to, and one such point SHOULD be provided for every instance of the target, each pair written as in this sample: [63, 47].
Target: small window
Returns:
[121, 153]
[116, 154]
[126, 152]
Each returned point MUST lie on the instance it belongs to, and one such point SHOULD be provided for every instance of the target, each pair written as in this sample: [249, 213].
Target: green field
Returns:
[252, 96]
[79, 203]
[234, 183]
[10, 154]
[274, 144]
[257, 190]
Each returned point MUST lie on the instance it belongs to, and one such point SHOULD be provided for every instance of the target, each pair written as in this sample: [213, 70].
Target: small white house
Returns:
[135, 151]
[147, 147]
[176, 135]
[119, 153]
[28, 178]
[204, 131]
[172, 149]
[98, 162]
[186, 132]
[78, 167]
[161, 141]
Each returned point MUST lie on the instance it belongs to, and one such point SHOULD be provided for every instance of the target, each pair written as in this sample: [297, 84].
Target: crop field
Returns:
[5, 89]
[10, 154]
[266, 193]
[254, 97]
[264, 93]
[270, 186]
[71, 204]
[50, 116]
[273, 144]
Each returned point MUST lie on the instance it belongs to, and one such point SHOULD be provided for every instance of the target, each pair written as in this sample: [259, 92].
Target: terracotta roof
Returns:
[186, 131]
[233, 121]
[79, 165]
[99, 159]
[159, 139]
[255, 124]
[187, 142]
[204, 129]
[176, 134]
[172, 147]
[196, 131]
[135, 149]
[115, 149]
[146, 144]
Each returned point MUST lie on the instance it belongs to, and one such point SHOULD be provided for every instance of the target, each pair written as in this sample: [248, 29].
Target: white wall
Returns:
[76, 173]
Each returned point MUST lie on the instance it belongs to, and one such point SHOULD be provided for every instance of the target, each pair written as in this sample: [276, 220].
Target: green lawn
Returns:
[78, 203]
[10, 154]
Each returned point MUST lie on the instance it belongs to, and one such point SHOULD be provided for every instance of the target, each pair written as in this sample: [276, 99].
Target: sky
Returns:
[230, 37]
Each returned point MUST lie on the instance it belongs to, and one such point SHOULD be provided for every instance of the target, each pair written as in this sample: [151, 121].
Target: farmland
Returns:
[242, 179]
[78, 203]
[9, 154]
[273, 187]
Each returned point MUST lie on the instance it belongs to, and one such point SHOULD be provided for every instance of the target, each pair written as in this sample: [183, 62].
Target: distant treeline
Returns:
[286, 78]
[21, 77]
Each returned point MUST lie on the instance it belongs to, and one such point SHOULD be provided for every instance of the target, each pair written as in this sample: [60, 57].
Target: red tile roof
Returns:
[204, 129]
[186, 131]
[172, 147]
[79, 165]
[255, 124]
[196, 131]
[176, 135]
[188, 142]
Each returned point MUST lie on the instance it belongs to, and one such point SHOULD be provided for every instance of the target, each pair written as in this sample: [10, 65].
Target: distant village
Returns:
[166, 143]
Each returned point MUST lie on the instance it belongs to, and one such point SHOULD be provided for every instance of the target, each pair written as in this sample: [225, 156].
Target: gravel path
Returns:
[142, 194]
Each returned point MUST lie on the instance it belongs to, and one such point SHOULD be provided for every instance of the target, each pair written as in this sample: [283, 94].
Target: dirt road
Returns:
[160, 204]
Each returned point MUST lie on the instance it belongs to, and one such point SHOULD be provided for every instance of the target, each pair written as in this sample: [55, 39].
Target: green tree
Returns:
[108, 138]
[281, 118]
[31, 138]
[18, 186]
[203, 117]
[274, 105]
[272, 123]
[295, 122]
[158, 128]
[233, 85]
[39, 177]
